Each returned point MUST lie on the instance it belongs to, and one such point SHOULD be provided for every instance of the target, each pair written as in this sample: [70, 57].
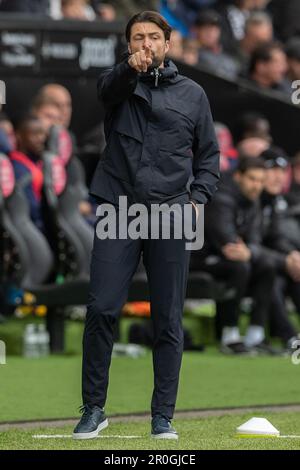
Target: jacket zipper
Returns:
[156, 71]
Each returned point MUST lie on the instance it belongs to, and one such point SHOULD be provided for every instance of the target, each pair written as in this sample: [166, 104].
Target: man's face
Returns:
[32, 137]
[275, 180]
[276, 68]
[258, 34]
[251, 182]
[62, 100]
[148, 34]
[49, 115]
[208, 36]
[176, 45]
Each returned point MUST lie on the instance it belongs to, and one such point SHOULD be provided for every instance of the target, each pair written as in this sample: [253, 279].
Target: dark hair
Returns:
[248, 122]
[263, 53]
[208, 18]
[152, 17]
[250, 163]
[25, 120]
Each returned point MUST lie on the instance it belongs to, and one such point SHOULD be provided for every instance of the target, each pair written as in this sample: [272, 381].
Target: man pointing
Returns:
[161, 148]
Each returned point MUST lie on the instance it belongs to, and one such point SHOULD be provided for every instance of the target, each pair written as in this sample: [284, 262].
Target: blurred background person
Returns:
[252, 146]
[77, 10]
[258, 30]
[27, 160]
[252, 124]
[47, 111]
[182, 14]
[104, 11]
[268, 68]
[281, 243]
[207, 31]
[232, 253]
[190, 51]
[234, 16]
[176, 45]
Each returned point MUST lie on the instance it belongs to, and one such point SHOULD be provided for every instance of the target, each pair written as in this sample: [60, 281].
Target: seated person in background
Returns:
[228, 154]
[61, 97]
[60, 114]
[251, 125]
[234, 16]
[104, 10]
[207, 31]
[232, 253]
[77, 10]
[27, 162]
[258, 30]
[190, 53]
[47, 111]
[176, 46]
[252, 146]
[180, 14]
[281, 242]
[268, 68]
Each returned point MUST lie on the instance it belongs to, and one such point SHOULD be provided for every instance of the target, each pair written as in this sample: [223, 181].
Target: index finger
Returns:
[147, 51]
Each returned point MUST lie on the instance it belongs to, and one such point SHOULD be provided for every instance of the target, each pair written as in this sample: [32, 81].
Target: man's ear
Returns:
[167, 46]
[129, 48]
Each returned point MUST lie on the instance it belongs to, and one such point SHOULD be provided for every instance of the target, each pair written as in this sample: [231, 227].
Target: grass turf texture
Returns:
[33, 389]
[206, 433]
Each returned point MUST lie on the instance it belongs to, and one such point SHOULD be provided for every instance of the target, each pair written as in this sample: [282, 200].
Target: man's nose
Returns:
[147, 43]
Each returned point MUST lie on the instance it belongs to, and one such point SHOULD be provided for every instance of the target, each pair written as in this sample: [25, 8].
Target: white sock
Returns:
[230, 334]
[255, 335]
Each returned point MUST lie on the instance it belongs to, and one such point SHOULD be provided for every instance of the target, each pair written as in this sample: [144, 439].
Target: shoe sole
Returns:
[91, 435]
[165, 435]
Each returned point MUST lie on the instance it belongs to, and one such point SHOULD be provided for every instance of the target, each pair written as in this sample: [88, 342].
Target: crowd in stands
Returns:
[257, 40]
[253, 224]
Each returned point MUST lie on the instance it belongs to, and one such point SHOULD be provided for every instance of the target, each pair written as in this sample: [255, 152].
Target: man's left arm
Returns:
[206, 159]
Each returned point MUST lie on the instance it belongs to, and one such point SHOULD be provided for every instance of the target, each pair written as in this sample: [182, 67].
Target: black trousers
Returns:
[255, 279]
[280, 323]
[113, 264]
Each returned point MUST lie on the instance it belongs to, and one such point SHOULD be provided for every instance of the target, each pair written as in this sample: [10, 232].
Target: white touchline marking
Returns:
[68, 436]
[290, 437]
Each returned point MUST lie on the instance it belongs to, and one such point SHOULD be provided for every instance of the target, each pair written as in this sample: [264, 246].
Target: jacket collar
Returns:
[158, 75]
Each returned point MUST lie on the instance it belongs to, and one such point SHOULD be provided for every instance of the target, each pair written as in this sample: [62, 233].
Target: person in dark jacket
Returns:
[27, 162]
[281, 243]
[232, 253]
[160, 136]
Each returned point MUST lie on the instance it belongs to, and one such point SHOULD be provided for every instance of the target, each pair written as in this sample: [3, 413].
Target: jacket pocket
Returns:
[177, 130]
[172, 172]
[122, 155]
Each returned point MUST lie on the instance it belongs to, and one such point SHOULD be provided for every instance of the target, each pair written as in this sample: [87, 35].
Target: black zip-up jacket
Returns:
[280, 230]
[159, 135]
[228, 217]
